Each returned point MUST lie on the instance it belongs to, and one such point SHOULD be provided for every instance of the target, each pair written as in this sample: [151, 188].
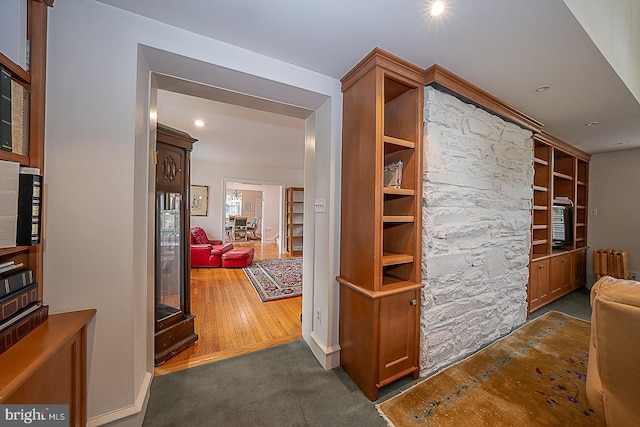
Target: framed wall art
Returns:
[199, 200]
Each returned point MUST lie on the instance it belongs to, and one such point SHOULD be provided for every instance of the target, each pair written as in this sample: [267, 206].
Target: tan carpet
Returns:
[535, 376]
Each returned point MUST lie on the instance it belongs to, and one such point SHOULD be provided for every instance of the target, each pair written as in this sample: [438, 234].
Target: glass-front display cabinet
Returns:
[174, 322]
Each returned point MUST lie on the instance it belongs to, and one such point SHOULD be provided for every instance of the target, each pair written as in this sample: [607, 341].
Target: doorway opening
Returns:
[231, 318]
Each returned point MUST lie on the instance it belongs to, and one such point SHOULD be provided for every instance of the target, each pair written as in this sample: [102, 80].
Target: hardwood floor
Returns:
[230, 317]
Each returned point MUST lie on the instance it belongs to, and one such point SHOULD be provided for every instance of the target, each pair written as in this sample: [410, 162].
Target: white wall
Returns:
[204, 172]
[614, 192]
[614, 27]
[95, 178]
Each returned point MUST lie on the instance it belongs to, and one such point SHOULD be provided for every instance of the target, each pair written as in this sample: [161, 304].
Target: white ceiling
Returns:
[506, 47]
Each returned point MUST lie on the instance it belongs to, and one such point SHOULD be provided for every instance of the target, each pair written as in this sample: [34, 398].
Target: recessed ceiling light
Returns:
[437, 8]
[199, 123]
[591, 124]
[619, 143]
[543, 88]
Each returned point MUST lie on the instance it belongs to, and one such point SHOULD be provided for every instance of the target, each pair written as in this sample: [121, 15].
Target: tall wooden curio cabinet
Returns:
[174, 323]
[380, 249]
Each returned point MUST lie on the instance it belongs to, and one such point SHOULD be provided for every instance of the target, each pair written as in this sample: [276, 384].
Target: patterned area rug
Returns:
[534, 376]
[276, 278]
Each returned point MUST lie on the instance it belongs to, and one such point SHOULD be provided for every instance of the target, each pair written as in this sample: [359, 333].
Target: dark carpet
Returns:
[280, 386]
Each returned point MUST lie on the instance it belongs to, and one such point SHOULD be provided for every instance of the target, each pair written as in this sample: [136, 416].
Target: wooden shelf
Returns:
[540, 161]
[562, 202]
[540, 208]
[15, 69]
[563, 176]
[402, 143]
[540, 226]
[13, 157]
[397, 218]
[396, 259]
[539, 242]
[14, 250]
[398, 191]
[540, 188]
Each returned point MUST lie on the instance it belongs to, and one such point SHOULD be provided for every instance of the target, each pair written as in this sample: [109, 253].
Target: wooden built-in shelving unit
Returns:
[48, 365]
[561, 179]
[294, 220]
[380, 248]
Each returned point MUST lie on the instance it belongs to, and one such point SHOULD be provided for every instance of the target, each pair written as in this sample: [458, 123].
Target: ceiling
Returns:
[506, 47]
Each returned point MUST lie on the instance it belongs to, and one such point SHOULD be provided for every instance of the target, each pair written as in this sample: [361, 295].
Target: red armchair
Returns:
[206, 252]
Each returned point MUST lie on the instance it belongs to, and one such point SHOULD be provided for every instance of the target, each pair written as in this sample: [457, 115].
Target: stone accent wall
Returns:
[478, 173]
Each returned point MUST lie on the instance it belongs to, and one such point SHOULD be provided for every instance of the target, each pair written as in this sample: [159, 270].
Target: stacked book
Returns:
[20, 310]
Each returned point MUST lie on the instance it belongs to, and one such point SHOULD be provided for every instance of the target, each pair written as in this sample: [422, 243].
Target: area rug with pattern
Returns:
[535, 376]
[276, 278]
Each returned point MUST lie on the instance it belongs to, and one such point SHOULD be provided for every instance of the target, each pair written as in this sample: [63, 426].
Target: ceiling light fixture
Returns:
[437, 8]
[543, 88]
[591, 124]
[617, 144]
[199, 123]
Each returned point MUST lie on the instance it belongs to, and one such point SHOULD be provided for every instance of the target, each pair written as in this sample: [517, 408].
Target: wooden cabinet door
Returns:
[538, 284]
[560, 280]
[579, 269]
[398, 330]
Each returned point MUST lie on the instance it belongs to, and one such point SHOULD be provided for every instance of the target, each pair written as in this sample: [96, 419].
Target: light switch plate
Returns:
[320, 205]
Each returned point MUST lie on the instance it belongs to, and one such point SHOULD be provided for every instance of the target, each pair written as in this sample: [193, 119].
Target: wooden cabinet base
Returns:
[175, 338]
[48, 366]
[378, 335]
[554, 276]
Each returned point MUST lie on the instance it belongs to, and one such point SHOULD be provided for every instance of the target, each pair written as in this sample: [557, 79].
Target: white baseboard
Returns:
[329, 357]
[132, 411]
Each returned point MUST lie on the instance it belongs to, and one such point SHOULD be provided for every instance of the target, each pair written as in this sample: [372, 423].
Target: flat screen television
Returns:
[562, 225]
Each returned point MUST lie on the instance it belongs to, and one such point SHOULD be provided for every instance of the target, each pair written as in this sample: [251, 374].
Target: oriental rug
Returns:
[535, 376]
[276, 278]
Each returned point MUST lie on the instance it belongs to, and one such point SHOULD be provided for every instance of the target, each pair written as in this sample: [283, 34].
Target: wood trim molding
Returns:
[440, 76]
[47, 2]
[564, 146]
[403, 70]
[396, 289]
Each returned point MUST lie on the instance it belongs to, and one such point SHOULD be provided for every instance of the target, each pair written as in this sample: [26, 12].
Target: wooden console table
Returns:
[49, 366]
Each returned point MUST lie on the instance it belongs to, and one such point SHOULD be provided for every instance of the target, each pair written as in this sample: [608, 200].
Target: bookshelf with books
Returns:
[26, 93]
[41, 365]
[22, 93]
